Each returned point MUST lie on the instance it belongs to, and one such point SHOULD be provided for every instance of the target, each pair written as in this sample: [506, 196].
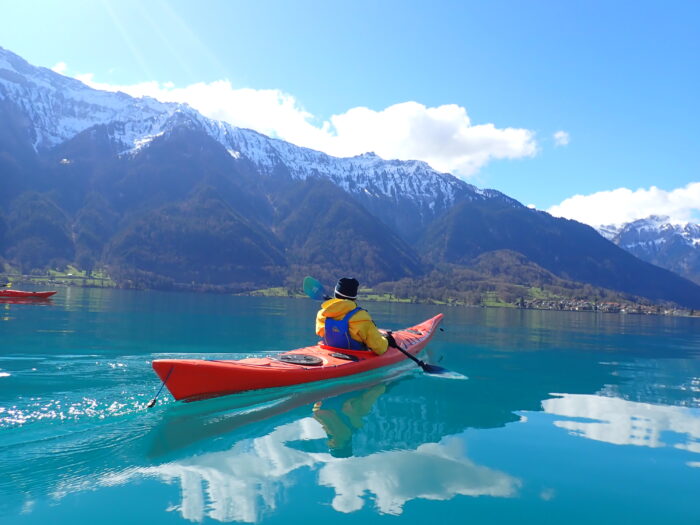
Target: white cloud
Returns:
[60, 68]
[443, 136]
[624, 205]
[561, 138]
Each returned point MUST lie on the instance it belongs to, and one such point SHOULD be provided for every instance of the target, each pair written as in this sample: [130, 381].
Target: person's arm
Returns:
[372, 337]
[320, 324]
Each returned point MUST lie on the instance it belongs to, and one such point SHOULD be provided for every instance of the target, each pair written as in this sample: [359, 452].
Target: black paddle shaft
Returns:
[428, 369]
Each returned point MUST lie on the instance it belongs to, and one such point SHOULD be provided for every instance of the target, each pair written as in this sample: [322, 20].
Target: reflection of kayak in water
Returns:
[190, 379]
[255, 411]
[26, 300]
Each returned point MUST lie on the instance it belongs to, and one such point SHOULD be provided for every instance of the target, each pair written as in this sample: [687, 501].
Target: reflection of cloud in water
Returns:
[624, 422]
[242, 483]
[436, 471]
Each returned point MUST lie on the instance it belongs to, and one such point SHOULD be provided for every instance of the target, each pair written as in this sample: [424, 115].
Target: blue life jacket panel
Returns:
[337, 333]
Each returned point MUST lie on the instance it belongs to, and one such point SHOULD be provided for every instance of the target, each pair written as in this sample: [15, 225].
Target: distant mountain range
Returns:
[655, 239]
[164, 197]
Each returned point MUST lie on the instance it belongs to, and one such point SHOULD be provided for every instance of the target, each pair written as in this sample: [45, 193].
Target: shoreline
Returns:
[561, 305]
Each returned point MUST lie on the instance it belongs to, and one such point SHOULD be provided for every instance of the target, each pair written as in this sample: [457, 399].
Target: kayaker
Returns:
[343, 324]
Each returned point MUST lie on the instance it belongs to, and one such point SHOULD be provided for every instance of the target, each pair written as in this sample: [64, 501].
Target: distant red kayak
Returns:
[191, 379]
[19, 294]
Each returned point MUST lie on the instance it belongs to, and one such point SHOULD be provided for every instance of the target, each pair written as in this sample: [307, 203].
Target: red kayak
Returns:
[191, 379]
[19, 294]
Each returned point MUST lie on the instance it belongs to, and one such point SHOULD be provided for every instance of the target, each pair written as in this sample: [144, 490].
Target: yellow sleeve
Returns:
[363, 329]
[320, 324]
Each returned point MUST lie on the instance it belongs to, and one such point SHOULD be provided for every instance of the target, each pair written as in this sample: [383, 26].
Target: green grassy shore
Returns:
[529, 297]
[533, 298]
[70, 276]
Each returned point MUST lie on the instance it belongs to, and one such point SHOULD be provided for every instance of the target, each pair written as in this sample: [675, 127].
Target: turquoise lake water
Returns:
[565, 418]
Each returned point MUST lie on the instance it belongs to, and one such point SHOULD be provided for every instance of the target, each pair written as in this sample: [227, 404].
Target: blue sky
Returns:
[482, 86]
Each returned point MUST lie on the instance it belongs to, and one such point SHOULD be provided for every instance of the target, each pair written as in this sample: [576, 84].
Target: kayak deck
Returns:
[190, 379]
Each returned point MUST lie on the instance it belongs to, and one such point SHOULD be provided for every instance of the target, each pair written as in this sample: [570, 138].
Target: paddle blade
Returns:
[439, 371]
[314, 289]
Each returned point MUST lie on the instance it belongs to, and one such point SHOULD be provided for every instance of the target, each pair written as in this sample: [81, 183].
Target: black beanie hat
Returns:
[346, 288]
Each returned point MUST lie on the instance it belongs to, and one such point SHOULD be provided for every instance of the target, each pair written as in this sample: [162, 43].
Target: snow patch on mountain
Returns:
[609, 231]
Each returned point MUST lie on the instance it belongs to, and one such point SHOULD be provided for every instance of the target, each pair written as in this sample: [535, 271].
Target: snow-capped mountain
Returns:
[652, 232]
[657, 240]
[59, 108]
